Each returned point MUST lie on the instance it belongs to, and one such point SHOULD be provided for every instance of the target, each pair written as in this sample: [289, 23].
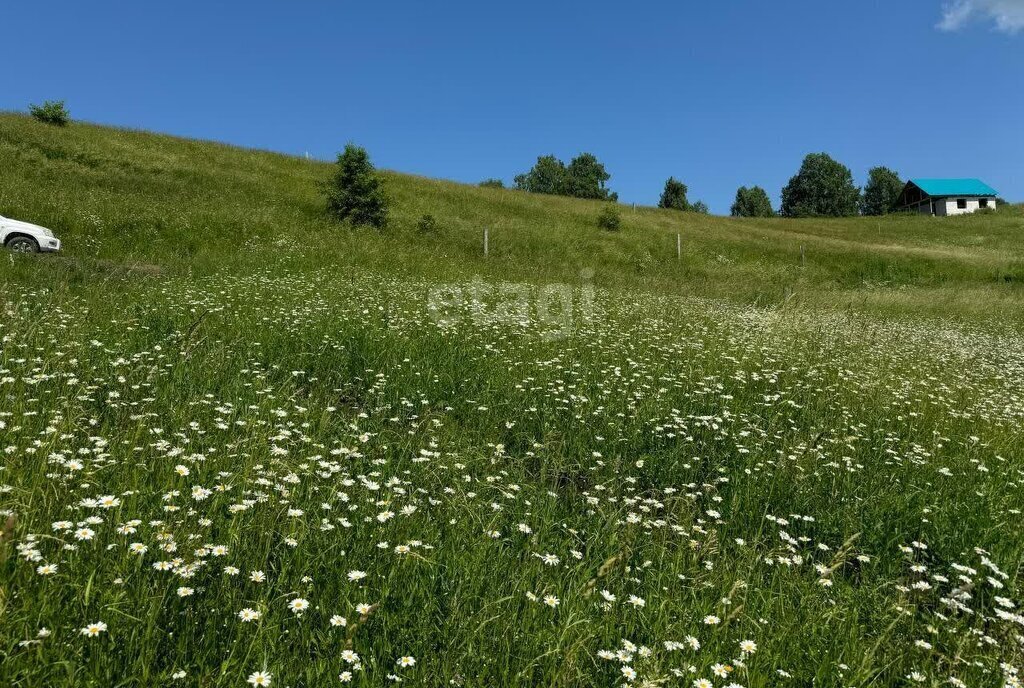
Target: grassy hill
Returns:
[243, 444]
[183, 205]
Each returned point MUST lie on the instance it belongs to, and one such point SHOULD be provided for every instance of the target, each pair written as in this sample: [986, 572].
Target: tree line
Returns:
[822, 187]
[586, 177]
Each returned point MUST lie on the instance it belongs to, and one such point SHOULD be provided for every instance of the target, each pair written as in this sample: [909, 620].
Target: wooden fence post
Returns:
[679, 246]
[803, 256]
[485, 242]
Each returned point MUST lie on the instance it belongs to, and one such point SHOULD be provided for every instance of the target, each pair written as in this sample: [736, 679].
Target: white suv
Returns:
[24, 237]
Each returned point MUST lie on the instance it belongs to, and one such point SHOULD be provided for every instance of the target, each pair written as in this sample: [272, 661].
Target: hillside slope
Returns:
[242, 444]
[183, 205]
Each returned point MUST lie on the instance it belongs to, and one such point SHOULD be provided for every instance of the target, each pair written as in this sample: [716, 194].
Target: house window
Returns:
[983, 203]
[961, 203]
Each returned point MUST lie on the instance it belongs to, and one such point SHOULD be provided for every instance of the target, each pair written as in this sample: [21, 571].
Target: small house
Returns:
[946, 196]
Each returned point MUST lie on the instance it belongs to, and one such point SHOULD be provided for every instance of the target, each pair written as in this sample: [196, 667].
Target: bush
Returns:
[492, 184]
[355, 191]
[610, 219]
[701, 207]
[51, 112]
[426, 224]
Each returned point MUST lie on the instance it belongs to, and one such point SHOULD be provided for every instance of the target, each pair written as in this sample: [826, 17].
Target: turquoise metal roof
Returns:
[955, 187]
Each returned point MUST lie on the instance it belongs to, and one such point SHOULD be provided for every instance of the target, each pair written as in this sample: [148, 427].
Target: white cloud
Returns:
[1008, 15]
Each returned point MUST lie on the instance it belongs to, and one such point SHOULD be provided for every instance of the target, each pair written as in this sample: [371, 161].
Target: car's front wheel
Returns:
[23, 244]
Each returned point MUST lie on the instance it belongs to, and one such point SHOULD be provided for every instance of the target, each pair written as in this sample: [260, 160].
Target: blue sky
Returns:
[718, 94]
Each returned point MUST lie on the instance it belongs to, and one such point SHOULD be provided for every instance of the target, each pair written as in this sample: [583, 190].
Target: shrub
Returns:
[674, 195]
[492, 183]
[701, 207]
[426, 224]
[355, 191]
[51, 112]
[609, 219]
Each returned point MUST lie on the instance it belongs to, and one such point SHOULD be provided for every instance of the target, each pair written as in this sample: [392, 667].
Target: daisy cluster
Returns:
[309, 479]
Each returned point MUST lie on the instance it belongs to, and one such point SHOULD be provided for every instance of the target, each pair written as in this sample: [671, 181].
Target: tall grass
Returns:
[242, 444]
[188, 206]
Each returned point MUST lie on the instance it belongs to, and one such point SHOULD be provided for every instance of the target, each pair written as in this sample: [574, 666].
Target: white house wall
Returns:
[947, 206]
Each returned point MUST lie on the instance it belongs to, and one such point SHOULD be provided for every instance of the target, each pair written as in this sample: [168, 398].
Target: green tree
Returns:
[881, 191]
[701, 207]
[586, 178]
[674, 195]
[492, 183]
[51, 112]
[547, 176]
[822, 188]
[751, 202]
[355, 191]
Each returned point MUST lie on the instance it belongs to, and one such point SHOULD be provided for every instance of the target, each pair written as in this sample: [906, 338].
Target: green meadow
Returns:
[245, 445]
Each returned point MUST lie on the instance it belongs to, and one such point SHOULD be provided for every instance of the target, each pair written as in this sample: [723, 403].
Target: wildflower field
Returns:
[243, 447]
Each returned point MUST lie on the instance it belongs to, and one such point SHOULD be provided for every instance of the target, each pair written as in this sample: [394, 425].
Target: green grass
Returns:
[194, 207]
[826, 458]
